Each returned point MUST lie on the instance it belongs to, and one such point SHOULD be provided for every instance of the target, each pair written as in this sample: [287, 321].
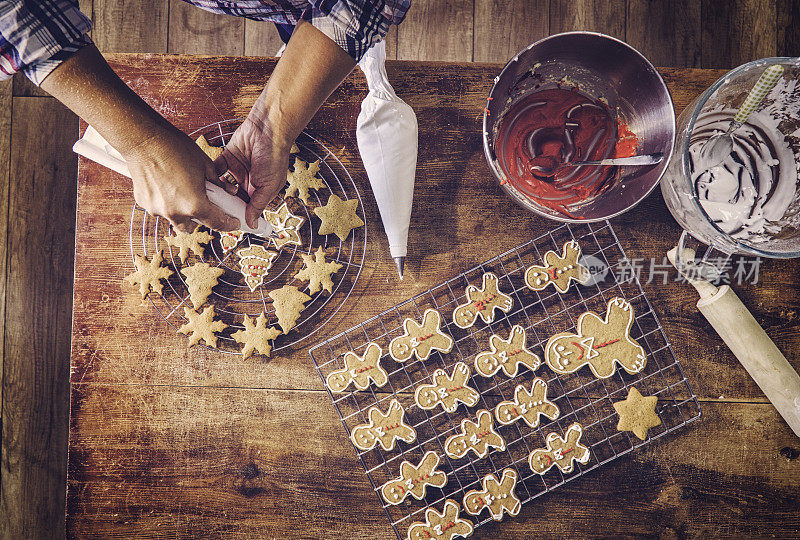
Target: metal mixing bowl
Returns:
[601, 67]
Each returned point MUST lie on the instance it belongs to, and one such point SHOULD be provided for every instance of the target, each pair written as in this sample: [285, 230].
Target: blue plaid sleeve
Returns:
[37, 35]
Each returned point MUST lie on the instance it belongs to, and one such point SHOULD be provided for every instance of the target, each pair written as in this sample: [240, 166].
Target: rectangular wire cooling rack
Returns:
[580, 396]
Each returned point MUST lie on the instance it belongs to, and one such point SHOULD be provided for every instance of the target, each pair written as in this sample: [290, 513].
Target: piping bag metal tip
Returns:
[400, 262]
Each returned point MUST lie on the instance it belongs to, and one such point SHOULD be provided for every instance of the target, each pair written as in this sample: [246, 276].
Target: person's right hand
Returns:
[169, 172]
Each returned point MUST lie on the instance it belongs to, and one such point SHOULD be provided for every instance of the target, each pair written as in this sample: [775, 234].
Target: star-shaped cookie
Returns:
[637, 413]
[201, 326]
[302, 179]
[288, 302]
[189, 241]
[149, 274]
[256, 336]
[285, 226]
[211, 151]
[338, 217]
[317, 272]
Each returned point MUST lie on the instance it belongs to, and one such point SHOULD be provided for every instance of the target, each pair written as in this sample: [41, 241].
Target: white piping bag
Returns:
[387, 139]
[93, 146]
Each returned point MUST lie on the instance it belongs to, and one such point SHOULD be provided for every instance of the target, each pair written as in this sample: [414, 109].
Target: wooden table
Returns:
[176, 442]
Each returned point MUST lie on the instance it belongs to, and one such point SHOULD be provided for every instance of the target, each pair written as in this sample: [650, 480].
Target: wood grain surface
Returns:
[170, 442]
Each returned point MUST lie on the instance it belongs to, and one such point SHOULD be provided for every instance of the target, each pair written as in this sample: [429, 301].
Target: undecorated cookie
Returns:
[303, 179]
[201, 326]
[148, 274]
[637, 413]
[288, 302]
[255, 336]
[211, 151]
[317, 271]
[186, 242]
[201, 278]
[338, 217]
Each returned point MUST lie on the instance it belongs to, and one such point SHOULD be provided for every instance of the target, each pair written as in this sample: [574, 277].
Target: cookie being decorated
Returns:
[420, 339]
[562, 453]
[201, 326]
[186, 242]
[476, 437]
[482, 302]
[229, 240]
[527, 405]
[303, 179]
[255, 336]
[383, 428]
[600, 343]
[444, 526]
[414, 480]
[285, 226]
[558, 271]
[338, 217]
[200, 279]
[255, 262]
[359, 370]
[288, 302]
[498, 497]
[637, 413]
[148, 274]
[317, 271]
[506, 354]
[447, 391]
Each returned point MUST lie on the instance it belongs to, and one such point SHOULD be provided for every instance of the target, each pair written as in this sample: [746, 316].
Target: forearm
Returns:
[311, 68]
[87, 85]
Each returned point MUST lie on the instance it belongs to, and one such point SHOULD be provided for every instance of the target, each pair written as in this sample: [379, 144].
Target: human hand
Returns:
[258, 160]
[169, 172]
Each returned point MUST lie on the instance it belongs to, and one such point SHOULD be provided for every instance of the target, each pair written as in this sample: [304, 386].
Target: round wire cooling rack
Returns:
[231, 297]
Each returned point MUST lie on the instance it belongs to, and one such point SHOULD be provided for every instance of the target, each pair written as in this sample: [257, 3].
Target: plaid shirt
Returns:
[37, 35]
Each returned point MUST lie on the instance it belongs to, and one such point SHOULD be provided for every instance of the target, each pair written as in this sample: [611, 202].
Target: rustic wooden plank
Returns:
[434, 30]
[36, 348]
[737, 32]
[391, 43]
[667, 33]
[131, 26]
[174, 461]
[788, 19]
[5, 162]
[606, 16]
[502, 29]
[196, 31]
[261, 38]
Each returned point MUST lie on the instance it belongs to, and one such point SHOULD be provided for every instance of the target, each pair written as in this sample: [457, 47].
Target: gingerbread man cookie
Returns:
[476, 437]
[421, 339]
[482, 302]
[383, 428]
[506, 354]
[559, 271]
[599, 343]
[359, 370]
[498, 497]
[560, 452]
[254, 262]
[444, 526]
[447, 391]
[527, 405]
[414, 480]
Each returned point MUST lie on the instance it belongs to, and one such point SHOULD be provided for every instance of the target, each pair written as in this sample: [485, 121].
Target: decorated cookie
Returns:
[303, 179]
[317, 272]
[288, 302]
[527, 405]
[200, 279]
[444, 526]
[560, 452]
[498, 497]
[637, 413]
[559, 271]
[383, 428]
[201, 326]
[285, 226]
[414, 480]
[599, 343]
[447, 391]
[420, 339]
[186, 242]
[148, 274]
[254, 262]
[294, 149]
[476, 437]
[229, 240]
[211, 151]
[255, 336]
[506, 354]
[482, 302]
[338, 217]
[359, 370]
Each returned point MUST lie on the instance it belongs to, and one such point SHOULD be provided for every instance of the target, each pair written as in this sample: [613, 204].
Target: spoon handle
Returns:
[765, 83]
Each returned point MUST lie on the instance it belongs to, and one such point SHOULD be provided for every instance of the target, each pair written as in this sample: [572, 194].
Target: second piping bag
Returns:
[387, 138]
